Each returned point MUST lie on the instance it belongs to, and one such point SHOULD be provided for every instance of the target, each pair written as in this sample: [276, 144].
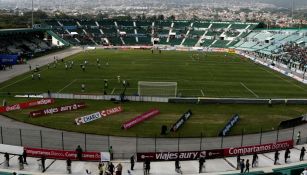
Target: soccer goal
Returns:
[159, 89]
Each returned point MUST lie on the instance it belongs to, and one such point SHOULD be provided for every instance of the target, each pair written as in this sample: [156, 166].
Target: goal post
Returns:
[159, 89]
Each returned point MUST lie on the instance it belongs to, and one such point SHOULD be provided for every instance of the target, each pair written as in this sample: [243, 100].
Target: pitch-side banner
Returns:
[29, 104]
[98, 115]
[182, 155]
[234, 119]
[181, 121]
[258, 148]
[59, 109]
[62, 154]
[140, 118]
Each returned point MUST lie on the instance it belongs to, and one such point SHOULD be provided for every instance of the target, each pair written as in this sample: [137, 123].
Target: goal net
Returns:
[159, 89]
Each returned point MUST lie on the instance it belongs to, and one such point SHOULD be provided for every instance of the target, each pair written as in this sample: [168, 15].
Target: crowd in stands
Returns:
[294, 53]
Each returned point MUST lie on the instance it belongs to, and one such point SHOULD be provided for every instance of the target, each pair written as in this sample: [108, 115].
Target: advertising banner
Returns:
[181, 121]
[105, 157]
[182, 155]
[98, 115]
[8, 59]
[215, 153]
[270, 147]
[55, 110]
[28, 104]
[140, 118]
[234, 119]
[61, 154]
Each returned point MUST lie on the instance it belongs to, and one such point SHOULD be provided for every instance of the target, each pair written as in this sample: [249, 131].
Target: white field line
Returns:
[67, 85]
[112, 91]
[278, 76]
[249, 90]
[202, 92]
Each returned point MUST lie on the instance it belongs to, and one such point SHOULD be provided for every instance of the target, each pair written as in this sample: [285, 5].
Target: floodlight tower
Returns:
[292, 9]
[32, 15]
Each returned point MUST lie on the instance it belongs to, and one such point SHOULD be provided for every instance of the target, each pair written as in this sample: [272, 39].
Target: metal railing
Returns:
[124, 147]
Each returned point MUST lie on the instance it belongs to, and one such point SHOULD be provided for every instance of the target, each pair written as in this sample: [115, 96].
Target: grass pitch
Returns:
[206, 119]
[212, 75]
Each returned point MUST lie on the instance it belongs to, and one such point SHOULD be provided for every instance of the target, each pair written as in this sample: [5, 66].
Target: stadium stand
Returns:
[138, 32]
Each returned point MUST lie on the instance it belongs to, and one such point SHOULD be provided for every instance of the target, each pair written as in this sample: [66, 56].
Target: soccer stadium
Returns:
[157, 97]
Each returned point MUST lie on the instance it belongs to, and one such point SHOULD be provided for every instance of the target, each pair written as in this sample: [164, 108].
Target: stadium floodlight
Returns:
[158, 89]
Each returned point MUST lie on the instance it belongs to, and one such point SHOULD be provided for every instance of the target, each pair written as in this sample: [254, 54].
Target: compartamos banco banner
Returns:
[58, 109]
[28, 104]
[98, 115]
[62, 154]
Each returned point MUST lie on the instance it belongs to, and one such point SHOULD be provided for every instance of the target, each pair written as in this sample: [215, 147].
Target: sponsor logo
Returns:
[97, 115]
[258, 148]
[140, 118]
[229, 125]
[26, 105]
[59, 154]
[181, 121]
[12, 108]
[59, 109]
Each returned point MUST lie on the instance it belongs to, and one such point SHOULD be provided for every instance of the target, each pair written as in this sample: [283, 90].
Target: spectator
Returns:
[287, 154]
[68, 164]
[177, 166]
[201, 163]
[276, 157]
[79, 153]
[111, 168]
[255, 160]
[298, 137]
[132, 160]
[20, 162]
[7, 159]
[247, 166]
[242, 165]
[304, 172]
[119, 169]
[302, 153]
[24, 155]
[111, 152]
[147, 166]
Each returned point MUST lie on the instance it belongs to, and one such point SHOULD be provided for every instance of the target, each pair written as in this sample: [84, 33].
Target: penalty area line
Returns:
[249, 90]
[67, 85]
[112, 91]
[202, 92]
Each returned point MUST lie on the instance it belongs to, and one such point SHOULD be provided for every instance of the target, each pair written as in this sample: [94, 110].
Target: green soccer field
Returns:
[210, 75]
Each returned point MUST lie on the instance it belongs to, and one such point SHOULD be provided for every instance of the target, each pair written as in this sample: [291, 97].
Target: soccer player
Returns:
[82, 87]
[32, 76]
[66, 67]
[118, 79]
[105, 84]
[98, 66]
[83, 68]
[39, 76]
[97, 60]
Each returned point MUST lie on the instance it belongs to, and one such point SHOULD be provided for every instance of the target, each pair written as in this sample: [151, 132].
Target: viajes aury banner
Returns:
[28, 104]
[140, 118]
[59, 109]
[98, 115]
[181, 155]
